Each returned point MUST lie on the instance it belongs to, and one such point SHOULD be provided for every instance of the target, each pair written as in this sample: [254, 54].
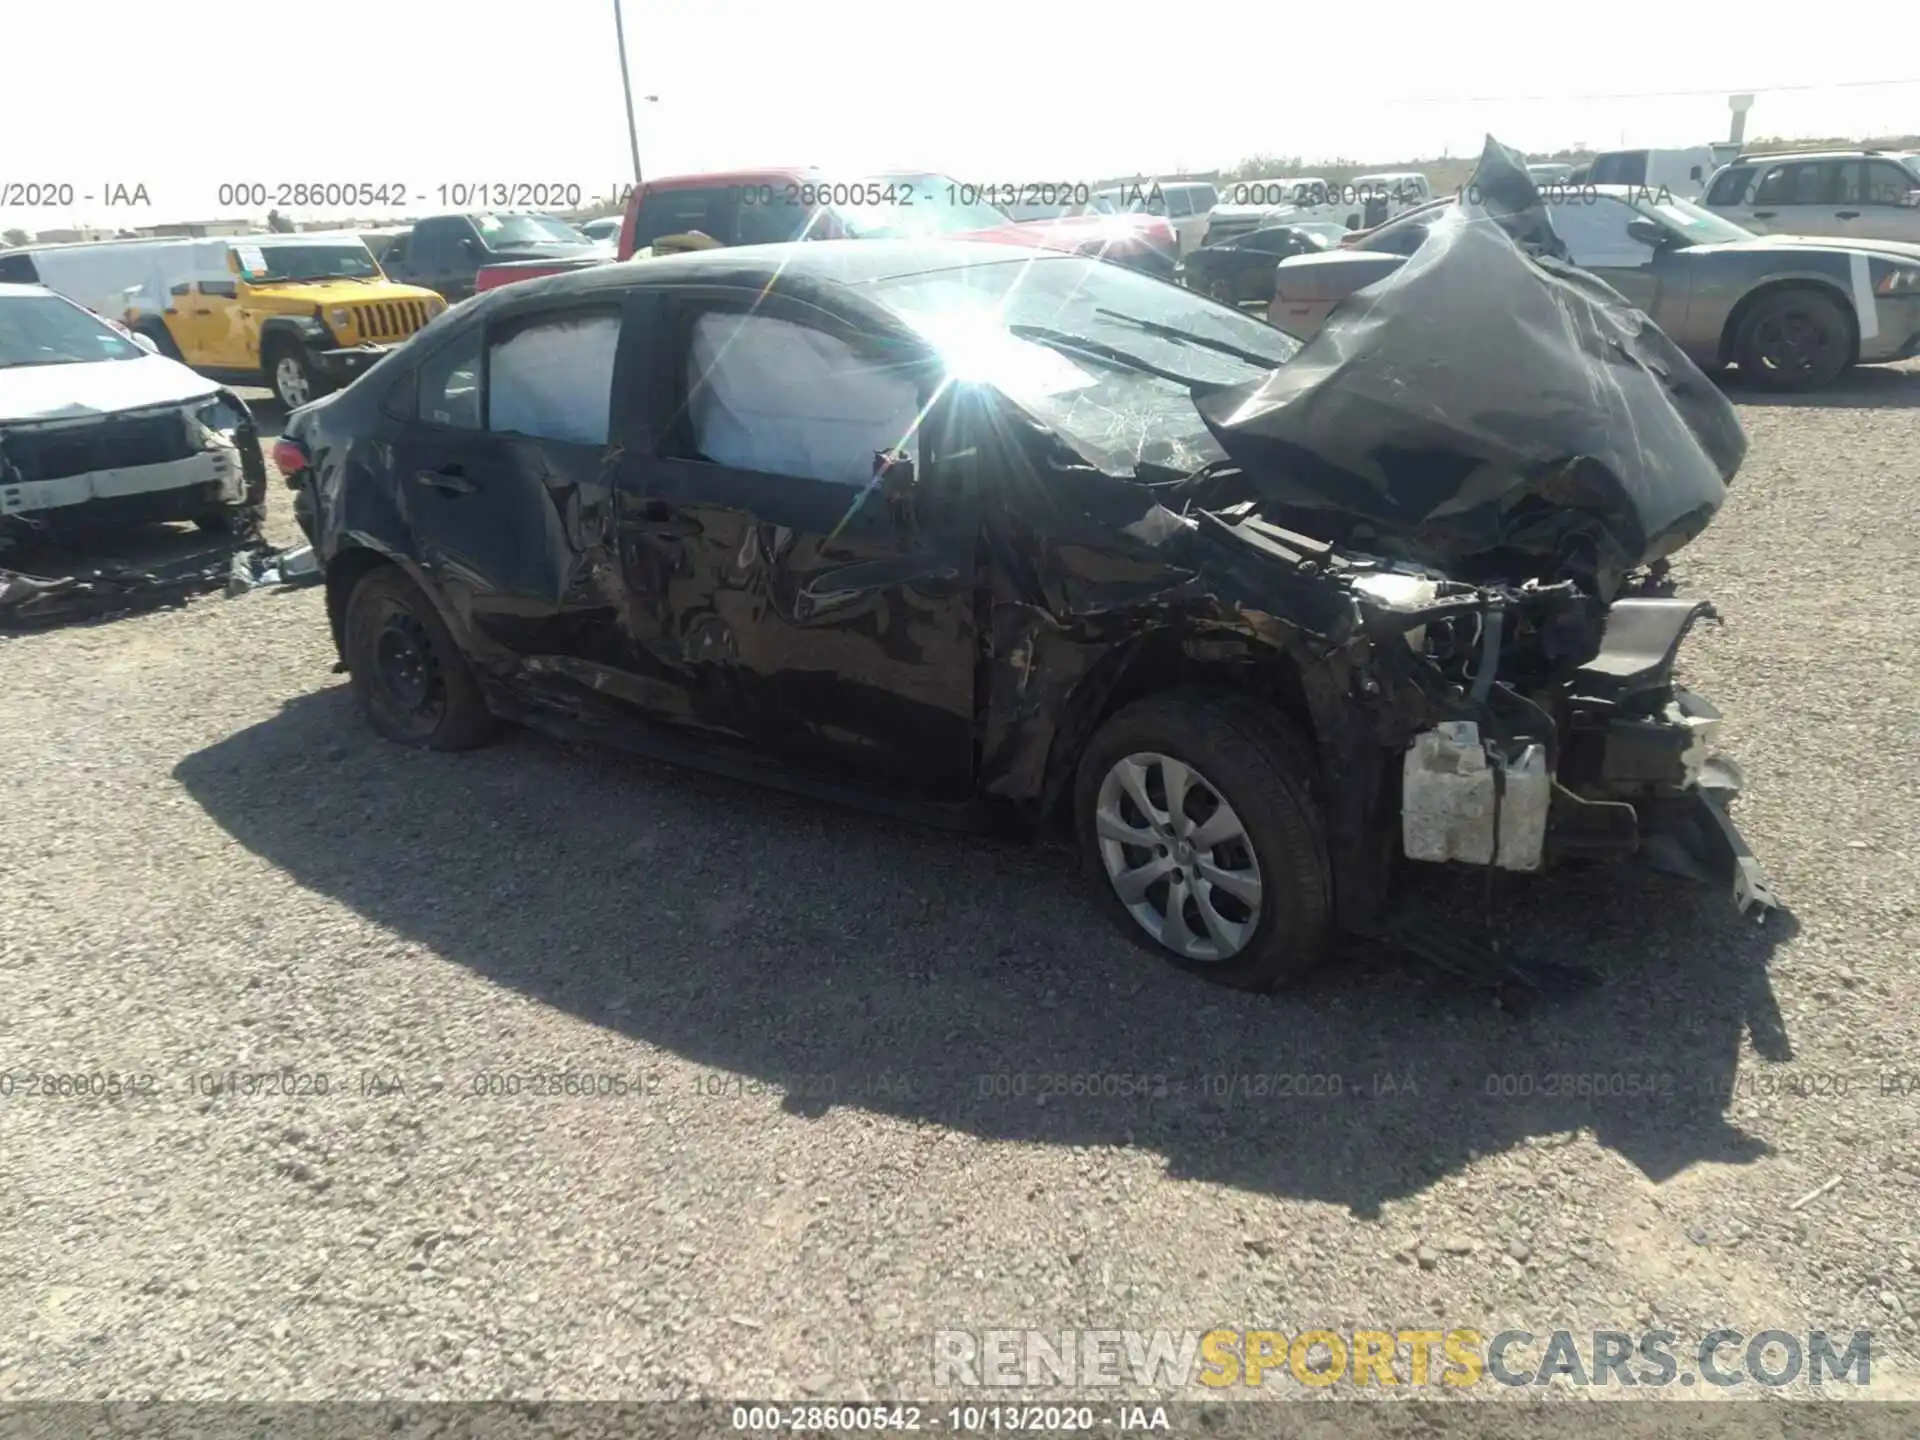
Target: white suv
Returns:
[1849, 195]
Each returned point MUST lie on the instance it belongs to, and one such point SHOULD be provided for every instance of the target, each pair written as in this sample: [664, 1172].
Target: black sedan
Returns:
[1240, 270]
[941, 529]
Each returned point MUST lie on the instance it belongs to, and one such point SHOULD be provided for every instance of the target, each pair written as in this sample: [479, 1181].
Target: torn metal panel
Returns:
[1549, 433]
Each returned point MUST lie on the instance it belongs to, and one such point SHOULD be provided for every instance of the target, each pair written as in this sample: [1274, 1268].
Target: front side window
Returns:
[1179, 202]
[553, 379]
[1731, 186]
[781, 398]
[47, 330]
[450, 385]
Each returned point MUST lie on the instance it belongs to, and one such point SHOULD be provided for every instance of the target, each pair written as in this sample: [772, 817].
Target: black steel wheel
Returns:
[409, 678]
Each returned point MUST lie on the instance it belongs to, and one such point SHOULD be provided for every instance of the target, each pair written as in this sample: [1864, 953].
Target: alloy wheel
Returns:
[1795, 342]
[1178, 857]
[290, 381]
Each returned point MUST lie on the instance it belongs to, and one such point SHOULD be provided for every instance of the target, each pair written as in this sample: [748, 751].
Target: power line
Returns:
[1644, 94]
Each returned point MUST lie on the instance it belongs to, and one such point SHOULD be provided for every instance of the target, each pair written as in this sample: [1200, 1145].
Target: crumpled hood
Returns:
[1494, 415]
[97, 387]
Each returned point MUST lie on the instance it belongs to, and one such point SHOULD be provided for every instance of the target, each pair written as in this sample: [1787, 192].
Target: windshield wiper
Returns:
[1168, 332]
[1071, 344]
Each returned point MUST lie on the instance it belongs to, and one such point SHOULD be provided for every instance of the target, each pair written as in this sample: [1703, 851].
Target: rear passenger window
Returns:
[553, 378]
[18, 270]
[773, 396]
[1179, 201]
[450, 385]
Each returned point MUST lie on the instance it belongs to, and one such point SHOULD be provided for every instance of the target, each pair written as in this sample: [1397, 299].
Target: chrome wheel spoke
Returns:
[1228, 935]
[1174, 932]
[1221, 826]
[1243, 885]
[1107, 822]
[1132, 885]
[1133, 777]
[1177, 779]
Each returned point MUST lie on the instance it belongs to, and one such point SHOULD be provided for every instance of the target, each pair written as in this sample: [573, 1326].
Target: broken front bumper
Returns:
[1618, 767]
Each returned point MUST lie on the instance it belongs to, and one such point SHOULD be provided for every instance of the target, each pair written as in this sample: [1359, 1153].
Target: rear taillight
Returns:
[289, 456]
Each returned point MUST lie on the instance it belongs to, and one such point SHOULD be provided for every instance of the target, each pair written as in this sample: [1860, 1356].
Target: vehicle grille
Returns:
[389, 319]
[113, 444]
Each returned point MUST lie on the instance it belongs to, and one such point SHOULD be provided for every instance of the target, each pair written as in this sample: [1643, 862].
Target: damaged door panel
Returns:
[914, 518]
[800, 560]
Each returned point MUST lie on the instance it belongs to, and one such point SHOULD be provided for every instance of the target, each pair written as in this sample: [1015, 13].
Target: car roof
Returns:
[10, 290]
[830, 262]
[1773, 155]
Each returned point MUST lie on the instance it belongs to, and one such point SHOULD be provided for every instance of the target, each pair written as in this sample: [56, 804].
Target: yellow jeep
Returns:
[301, 313]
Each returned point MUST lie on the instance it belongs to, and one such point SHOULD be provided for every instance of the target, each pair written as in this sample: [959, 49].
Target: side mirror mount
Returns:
[145, 342]
[1911, 199]
[1649, 232]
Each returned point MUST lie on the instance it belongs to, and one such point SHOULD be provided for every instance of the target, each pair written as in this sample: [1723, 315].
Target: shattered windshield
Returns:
[1106, 357]
[46, 330]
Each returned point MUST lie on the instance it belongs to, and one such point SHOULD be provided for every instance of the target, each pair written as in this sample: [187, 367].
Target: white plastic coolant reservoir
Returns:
[1448, 799]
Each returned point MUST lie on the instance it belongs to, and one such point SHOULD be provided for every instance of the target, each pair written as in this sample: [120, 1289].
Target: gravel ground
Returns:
[824, 1021]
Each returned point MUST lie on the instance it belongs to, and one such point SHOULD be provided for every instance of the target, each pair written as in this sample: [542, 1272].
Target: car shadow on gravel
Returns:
[1865, 387]
[848, 960]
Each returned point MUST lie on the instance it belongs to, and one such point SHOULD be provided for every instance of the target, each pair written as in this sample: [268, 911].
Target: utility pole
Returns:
[626, 87]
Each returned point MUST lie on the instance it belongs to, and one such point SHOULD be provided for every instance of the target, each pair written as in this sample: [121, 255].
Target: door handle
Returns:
[1846, 214]
[451, 480]
[203, 312]
[1764, 214]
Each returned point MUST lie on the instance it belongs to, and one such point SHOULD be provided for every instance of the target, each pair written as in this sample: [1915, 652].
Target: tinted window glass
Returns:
[18, 270]
[1731, 187]
[450, 385]
[677, 212]
[1886, 183]
[553, 379]
[1623, 167]
[1806, 183]
[1179, 201]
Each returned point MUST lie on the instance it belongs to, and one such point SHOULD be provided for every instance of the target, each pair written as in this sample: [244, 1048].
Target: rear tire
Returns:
[409, 678]
[1794, 340]
[1255, 907]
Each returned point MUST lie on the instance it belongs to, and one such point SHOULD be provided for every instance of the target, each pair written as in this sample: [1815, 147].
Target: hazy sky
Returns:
[183, 95]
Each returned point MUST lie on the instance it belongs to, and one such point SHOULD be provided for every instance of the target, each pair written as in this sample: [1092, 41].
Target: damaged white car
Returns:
[96, 429]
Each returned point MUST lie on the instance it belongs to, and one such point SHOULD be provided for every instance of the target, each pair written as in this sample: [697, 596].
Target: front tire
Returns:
[1197, 824]
[1795, 340]
[296, 381]
[409, 678]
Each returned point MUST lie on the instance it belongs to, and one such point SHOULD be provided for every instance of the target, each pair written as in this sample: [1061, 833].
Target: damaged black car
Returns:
[968, 534]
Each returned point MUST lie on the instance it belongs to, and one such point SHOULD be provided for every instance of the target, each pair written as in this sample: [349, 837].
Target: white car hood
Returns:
[96, 387]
